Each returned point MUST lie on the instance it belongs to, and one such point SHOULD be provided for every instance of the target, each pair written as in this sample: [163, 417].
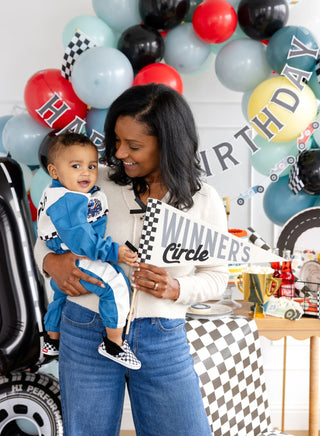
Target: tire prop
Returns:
[22, 295]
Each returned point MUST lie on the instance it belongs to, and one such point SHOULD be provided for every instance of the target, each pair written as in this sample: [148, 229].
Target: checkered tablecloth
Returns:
[228, 361]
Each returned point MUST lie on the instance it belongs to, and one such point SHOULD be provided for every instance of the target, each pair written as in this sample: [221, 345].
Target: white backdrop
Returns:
[31, 35]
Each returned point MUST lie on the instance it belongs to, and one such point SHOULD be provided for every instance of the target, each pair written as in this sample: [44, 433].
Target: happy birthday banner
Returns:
[266, 122]
[170, 238]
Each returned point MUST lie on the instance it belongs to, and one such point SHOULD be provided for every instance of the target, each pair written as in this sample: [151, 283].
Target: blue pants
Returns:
[165, 395]
[114, 299]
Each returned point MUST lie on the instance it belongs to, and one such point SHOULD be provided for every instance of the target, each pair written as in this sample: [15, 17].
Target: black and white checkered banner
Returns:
[318, 69]
[295, 183]
[256, 239]
[227, 358]
[170, 238]
[78, 44]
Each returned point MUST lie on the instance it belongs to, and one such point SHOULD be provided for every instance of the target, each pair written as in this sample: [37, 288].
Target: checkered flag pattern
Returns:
[149, 228]
[295, 183]
[256, 239]
[227, 358]
[78, 44]
[318, 69]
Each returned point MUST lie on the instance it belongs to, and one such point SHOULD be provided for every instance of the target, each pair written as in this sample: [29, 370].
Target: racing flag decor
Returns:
[78, 44]
[170, 238]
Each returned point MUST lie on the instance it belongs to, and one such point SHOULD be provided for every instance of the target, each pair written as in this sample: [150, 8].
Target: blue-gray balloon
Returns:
[100, 75]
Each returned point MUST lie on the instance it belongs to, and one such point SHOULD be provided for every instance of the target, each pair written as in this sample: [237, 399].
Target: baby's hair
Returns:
[65, 140]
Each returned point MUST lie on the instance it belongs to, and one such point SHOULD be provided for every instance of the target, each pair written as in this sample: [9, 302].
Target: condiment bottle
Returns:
[287, 287]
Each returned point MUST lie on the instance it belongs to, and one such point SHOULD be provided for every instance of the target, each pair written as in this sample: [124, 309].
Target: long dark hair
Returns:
[168, 117]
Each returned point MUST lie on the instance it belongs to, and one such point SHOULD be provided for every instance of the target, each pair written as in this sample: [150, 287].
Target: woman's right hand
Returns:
[64, 271]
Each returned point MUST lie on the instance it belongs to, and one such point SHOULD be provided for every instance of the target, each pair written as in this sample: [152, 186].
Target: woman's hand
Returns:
[155, 281]
[64, 271]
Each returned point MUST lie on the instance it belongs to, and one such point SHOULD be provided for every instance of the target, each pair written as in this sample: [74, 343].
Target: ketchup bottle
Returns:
[287, 287]
[276, 271]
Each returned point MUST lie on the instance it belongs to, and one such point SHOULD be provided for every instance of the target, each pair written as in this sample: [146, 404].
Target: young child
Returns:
[72, 216]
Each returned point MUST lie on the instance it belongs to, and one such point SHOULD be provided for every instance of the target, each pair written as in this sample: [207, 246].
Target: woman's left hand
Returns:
[155, 281]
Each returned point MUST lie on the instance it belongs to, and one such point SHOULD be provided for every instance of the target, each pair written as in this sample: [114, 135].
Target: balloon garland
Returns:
[135, 42]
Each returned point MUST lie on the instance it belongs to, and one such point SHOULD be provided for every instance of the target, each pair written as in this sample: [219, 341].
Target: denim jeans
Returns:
[164, 394]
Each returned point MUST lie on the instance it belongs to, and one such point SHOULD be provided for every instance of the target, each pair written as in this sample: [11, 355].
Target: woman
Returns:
[151, 150]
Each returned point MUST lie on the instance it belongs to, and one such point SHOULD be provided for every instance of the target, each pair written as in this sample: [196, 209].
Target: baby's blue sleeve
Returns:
[69, 216]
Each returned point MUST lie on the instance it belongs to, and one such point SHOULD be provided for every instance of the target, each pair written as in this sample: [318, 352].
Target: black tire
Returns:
[315, 124]
[240, 201]
[274, 177]
[290, 314]
[32, 398]
[301, 146]
[260, 189]
[291, 160]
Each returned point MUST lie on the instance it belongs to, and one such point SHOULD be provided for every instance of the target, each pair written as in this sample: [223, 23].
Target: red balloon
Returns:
[33, 209]
[159, 73]
[214, 21]
[49, 86]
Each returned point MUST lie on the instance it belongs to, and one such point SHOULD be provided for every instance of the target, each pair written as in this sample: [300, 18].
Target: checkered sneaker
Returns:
[49, 348]
[295, 183]
[78, 44]
[149, 229]
[125, 358]
[227, 359]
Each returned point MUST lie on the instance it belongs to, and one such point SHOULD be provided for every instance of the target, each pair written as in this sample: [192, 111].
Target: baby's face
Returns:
[76, 167]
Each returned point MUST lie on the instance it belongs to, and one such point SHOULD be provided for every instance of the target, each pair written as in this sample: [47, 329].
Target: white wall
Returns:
[31, 39]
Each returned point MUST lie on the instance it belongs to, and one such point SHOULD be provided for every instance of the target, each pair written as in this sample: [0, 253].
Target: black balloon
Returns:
[260, 19]
[142, 45]
[309, 171]
[22, 293]
[163, 14]
[43, 149]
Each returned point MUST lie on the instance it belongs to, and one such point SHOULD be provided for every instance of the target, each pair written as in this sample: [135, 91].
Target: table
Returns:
[306, 328]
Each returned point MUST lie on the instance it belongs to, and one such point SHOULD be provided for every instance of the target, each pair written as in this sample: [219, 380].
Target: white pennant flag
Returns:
[170, 238]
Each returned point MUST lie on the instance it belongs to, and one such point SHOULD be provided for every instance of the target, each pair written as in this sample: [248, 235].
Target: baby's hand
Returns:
[125, 255]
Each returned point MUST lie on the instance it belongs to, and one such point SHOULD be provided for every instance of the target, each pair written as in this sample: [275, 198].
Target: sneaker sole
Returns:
[49, 353]
[111, 357]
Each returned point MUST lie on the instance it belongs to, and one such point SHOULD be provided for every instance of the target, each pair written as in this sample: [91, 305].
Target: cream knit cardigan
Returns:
[196, 284]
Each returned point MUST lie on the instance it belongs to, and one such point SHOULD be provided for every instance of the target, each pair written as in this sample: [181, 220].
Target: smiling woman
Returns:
[151, 151]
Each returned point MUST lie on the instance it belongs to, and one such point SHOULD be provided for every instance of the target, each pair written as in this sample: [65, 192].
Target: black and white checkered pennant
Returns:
[257, 240]
[227, 358]
[318, 69]
[149, 229]
[295, 183]
[78, 44]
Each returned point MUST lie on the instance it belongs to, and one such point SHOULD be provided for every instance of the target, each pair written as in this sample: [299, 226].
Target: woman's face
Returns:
[138, 151]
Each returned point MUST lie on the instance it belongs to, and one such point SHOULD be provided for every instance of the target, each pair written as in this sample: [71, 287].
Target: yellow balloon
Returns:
[281, 108]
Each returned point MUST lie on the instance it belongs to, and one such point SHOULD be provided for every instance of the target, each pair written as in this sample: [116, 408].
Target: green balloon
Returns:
[271, 153]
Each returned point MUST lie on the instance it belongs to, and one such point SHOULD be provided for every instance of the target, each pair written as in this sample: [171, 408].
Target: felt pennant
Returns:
[170, 238]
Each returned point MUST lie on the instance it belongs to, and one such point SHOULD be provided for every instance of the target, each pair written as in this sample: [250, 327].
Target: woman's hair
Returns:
[168, 117]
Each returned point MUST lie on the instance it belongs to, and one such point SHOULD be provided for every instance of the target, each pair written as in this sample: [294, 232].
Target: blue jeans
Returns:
[164, 394]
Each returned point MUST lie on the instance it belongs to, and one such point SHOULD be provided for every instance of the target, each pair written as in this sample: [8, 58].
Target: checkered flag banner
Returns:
[256, 239]
[318, 69]
[170, 237]
[78, 44]
[295, 183]
[149, 229]
[228, 360]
